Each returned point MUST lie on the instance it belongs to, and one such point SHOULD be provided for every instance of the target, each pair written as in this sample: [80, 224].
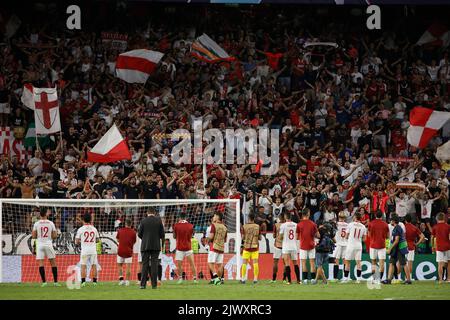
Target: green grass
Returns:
[231, 290]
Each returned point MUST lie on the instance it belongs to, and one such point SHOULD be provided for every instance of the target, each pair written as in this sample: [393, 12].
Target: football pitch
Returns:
[231, 290]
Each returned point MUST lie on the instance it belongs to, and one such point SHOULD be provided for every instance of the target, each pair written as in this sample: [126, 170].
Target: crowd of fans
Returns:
[342, 112]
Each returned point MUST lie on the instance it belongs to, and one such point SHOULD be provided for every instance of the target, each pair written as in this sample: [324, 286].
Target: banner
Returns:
[25, 268]
[11, 146]
[117, 41]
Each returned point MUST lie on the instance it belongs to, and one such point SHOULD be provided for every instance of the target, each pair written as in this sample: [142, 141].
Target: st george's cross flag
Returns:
[46, 110]
[424, 125]
[137, 65]
[111, 147]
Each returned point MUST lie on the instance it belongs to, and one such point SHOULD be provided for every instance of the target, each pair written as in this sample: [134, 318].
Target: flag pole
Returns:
[37, 142]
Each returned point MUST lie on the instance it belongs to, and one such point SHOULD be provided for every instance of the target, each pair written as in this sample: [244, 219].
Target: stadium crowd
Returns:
[342, 111]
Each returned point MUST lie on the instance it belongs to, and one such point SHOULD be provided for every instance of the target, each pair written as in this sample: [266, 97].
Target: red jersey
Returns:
[379, 232]
[307, 231]
[183, 231]
[412, 233]
[127, 239]
[441, 231]
[273, 59]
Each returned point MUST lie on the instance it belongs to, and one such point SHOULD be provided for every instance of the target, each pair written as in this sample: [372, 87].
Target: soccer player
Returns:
[182, 233]
[356, 234]
[397, 251]
[307, 231]
[341, 243]
[289, 251]
[250, 241]
[378, 233]
[88, 236]
[44, 231]
[412, 233]
[217, 237]
[278, 245]
[127, 238]
[440, 239]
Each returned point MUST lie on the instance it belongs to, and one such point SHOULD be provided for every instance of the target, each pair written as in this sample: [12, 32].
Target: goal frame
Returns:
[136, 202]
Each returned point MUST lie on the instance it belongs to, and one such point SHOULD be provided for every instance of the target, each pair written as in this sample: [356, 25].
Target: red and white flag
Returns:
[135, 66]
[46, 110]
[436, 35]
[110, 148]
[424, 124]
[27, 96]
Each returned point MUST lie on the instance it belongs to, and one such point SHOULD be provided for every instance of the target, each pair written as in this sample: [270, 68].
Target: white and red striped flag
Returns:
[110, 148]
[137, 65]
[424, 124]
[27, 96]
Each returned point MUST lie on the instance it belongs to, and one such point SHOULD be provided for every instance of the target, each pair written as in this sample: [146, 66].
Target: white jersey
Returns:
[356, 231]
[289, 232]
[44, 229]
[341, 233]
[88, 235]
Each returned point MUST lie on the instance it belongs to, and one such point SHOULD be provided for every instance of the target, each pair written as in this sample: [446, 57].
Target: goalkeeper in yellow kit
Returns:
[250, 242]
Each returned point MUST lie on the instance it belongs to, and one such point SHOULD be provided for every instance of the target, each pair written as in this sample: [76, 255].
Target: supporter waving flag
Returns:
[424, 125]
[206, 49]
[27, 96]
[137, 65]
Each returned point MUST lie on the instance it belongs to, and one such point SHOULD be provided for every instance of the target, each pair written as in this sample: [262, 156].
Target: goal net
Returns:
[19, 215]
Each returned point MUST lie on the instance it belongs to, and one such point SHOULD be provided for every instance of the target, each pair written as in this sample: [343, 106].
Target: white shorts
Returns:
[353, 254]
[5, 108]
[292, 253]
[410, 256]
[45, 251]
[307, 254]
[180, 255]
[124, 260]
[377, 253]
[276, 253]
[442, 256]
[339, 252]
[215, 257]
[89, 259]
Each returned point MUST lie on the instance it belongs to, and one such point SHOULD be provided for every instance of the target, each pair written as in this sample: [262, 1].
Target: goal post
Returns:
[17, 217]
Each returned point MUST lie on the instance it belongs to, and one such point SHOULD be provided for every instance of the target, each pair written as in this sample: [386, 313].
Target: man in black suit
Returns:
[151, 232]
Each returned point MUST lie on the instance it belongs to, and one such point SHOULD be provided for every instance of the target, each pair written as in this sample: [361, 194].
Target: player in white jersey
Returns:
[341, 243]
[356, 234]
[289, 247]
[88, 236]
[44, 232]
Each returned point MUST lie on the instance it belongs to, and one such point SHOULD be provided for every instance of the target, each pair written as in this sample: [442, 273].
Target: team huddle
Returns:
[305, 241]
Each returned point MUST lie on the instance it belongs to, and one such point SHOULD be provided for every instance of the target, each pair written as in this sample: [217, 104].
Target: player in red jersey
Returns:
[127, 238]
[307, 231]
[378, 233]
[412, 233]
[440, 240]
[182, 233]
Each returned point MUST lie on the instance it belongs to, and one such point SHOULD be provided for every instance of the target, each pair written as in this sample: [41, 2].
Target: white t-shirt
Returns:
[425, 208]
[36, 171]
[341, 233]
[289, 232]
[402, 205]
[88, 235]
[104, 170]
[276, 210]
[356, 231]
[44, 230]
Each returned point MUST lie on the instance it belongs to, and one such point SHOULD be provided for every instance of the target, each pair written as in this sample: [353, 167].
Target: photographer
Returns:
[323, 249]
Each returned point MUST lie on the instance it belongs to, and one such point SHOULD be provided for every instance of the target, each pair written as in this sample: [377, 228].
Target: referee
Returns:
[151, 231]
